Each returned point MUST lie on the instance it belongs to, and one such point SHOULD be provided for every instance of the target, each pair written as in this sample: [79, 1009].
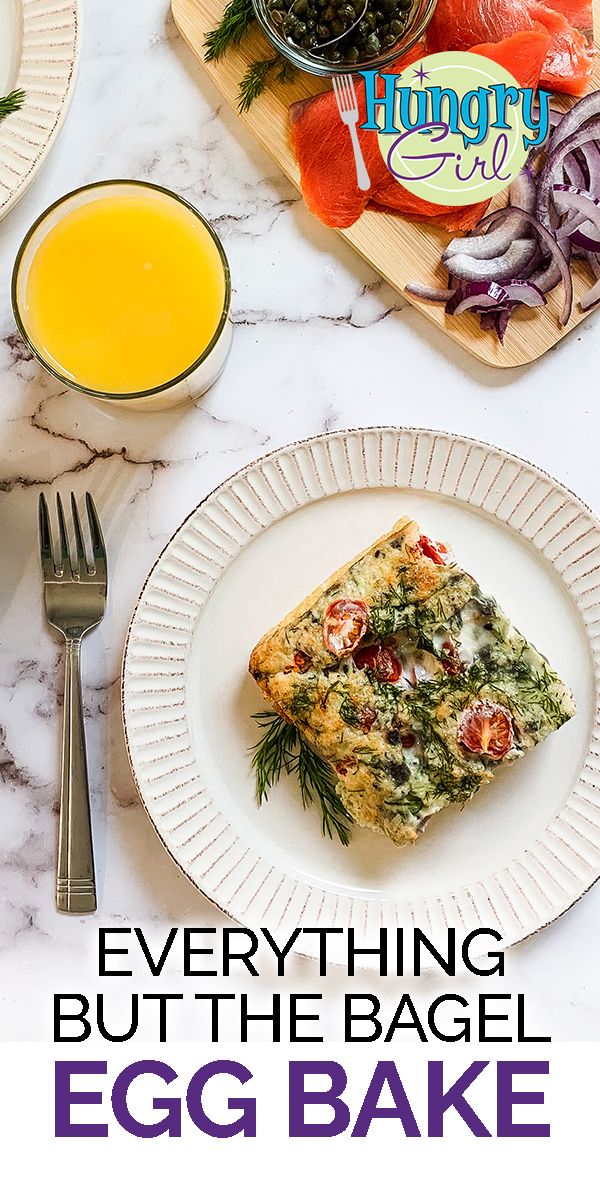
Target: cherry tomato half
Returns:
[436, 551]
[344, 625]
[486, 728]
[342, 767]
[302, 662]
[451, 661]
[366, 718]
[381, 661]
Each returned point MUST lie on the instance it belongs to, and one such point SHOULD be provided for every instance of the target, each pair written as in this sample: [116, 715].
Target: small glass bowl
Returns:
[421, 13]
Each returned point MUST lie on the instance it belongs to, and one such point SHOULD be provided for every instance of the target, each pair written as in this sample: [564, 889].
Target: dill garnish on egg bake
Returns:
[11, 103]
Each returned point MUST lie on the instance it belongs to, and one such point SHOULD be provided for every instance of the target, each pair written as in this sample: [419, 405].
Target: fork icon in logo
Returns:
[345, 96]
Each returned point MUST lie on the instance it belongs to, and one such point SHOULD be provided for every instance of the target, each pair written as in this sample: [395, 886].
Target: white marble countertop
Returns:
[320, 342]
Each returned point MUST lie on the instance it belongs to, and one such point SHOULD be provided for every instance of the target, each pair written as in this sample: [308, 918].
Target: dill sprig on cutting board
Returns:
[237, 19]
[282, 749]
[256, 77]
[11, 102]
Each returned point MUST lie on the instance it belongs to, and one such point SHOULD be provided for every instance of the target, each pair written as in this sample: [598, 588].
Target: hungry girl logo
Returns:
[453, 128]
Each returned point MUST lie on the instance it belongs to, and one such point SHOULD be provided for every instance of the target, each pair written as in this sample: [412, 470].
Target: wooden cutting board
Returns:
[402, 251]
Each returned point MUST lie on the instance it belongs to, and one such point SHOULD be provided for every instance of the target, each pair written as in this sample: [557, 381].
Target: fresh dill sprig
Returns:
[273, 753]
[282, 748]
[287, 71]
[317, 784]
[255, 80]
[237, 18]
[11, 103]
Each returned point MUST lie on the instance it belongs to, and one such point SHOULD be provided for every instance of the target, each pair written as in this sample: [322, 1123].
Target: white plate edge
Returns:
[63, 105]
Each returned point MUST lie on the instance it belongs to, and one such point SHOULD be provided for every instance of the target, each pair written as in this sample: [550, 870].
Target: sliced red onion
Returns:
[574, 172]
[487, 321]
[432, 294]
[586, 236]
[476, 296]
[591, 260]
[547, 277]
[496, 321]
[572, 201]
[591, 156]
[557, 254]
[586, 108]
[551, 173]
[493, 245]
[508, 265]
[488, 245]
[554, 118]
[570, 225]
[580, 158]
[500, 266]
[591, 297]
[582, 225]
[490, 298]
[524, 292]
[522, 192]
[533, 265]
[501, 324]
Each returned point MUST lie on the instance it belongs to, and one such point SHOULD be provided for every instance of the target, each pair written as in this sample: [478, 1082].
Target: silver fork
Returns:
[75, 598]
[345, 96]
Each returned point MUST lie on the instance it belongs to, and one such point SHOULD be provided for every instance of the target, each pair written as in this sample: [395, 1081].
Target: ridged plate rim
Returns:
[50, 51]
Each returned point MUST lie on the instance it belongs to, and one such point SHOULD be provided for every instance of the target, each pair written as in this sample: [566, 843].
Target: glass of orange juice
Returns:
[122, 290]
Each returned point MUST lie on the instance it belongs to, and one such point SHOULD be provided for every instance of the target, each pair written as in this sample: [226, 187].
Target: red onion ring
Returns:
[557, 254]
[551, 173]
[471, 269]
[432, 294]
[493, 245]
[570, 199]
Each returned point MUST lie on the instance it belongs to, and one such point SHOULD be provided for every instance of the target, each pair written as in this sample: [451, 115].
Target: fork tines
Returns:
[66, 567]
[345, 94]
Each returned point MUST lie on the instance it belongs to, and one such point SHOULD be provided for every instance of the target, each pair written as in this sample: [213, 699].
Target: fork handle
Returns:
[362, 175]
[75, 882]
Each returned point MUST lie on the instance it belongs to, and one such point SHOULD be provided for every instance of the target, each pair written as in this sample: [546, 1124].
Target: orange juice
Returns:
[124, 291]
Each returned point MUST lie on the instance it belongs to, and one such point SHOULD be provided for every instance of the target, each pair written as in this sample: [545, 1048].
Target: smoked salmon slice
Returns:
[523, 54]
[323, 150]
[577, 12]
[453, 220]
[568, 64]
[461, 24]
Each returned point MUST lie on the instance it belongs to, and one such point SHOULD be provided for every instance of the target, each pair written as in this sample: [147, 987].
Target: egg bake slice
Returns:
[409, 681]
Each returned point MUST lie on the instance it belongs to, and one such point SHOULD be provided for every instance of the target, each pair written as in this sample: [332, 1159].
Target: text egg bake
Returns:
[408, 681]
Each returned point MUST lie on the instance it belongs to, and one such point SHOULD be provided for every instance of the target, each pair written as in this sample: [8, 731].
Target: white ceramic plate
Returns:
[525, 848]
[39, 53]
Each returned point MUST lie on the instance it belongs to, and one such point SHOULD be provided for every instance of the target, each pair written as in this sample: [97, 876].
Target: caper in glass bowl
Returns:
[343, 36]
